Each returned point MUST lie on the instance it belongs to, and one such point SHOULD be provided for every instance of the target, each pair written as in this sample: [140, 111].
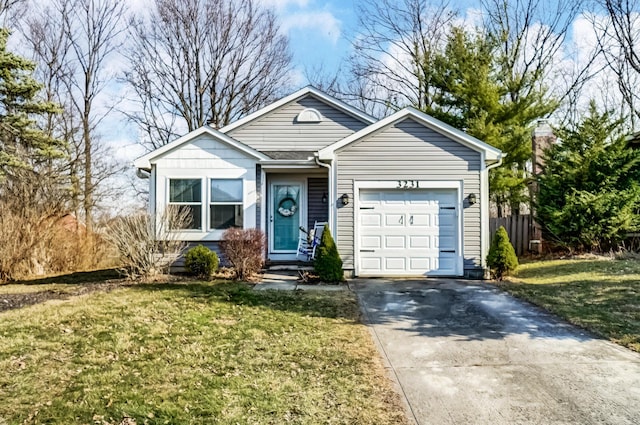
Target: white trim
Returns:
[295, 96]
[309, 115]
[457, 185]
[145, 161]
[484, 213]
[434, 124]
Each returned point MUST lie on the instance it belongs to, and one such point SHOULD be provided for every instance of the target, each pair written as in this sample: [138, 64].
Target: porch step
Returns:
[288, 266]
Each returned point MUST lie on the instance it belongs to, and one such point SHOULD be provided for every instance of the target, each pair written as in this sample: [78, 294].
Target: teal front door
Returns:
[286, 217]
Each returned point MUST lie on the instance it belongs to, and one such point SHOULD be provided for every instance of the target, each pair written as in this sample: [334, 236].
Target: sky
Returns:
[319, 33]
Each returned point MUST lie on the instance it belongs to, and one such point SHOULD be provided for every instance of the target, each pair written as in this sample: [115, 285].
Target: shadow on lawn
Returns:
[310, 303]
[77, 278]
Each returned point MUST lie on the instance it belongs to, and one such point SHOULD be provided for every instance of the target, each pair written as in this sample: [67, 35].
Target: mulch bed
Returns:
[13, 301]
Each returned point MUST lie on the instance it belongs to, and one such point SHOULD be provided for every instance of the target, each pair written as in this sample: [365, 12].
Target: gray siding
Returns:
[279, 131]
[317, 210]
[408, 151]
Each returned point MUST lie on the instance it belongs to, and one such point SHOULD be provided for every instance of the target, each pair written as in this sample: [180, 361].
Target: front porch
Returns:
[291, 200]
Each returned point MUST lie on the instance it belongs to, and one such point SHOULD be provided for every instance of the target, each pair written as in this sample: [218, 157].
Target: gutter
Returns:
[497, 163]
[142, 173]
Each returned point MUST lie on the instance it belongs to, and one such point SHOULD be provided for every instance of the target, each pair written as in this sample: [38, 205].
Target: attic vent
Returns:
[309, 115]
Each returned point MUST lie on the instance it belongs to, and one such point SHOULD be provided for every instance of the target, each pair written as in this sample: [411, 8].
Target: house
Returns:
[403, 196]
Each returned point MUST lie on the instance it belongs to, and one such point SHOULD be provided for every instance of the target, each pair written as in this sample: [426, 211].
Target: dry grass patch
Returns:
[599, 294]
[193, 353]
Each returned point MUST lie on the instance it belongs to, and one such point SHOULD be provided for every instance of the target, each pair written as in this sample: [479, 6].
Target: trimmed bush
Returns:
[502, 258]
[243, 249]
[201, 262]
[328, 264]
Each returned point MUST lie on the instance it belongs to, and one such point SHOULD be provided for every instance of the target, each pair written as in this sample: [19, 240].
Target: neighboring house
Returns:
[405, 195]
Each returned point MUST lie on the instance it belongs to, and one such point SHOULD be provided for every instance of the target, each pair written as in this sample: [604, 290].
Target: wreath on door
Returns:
[287, 207]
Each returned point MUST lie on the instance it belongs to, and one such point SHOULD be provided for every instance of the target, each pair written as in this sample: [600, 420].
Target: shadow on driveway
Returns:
[466, 352]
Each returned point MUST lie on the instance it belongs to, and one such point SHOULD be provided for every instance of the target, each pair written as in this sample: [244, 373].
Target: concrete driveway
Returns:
[466, 353]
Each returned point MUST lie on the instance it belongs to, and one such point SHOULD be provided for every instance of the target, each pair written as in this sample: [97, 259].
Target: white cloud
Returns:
[319, 23]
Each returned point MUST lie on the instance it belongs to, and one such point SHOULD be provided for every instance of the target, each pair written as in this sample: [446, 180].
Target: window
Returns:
[187, 195]
[226, 204]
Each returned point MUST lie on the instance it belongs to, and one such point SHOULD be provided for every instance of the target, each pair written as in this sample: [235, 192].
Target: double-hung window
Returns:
[186, 194]
[225, 208]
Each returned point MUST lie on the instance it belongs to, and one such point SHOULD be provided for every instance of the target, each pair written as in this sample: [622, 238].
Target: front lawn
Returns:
[196, 353]
[601, 295]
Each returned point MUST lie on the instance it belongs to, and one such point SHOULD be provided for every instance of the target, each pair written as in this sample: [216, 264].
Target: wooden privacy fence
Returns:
[517, 227]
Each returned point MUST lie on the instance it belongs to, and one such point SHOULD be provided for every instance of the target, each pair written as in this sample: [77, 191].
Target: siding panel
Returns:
[409, 151]
[317, 210]
[279, 131]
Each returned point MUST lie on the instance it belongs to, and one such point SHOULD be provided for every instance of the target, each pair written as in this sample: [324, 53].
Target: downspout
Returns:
[331, 201]
[486, 237]
[142, 173]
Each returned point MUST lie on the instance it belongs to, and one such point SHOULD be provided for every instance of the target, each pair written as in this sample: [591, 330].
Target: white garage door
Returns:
[408, 232]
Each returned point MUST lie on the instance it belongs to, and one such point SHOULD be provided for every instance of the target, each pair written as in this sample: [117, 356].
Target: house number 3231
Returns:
[408, 184]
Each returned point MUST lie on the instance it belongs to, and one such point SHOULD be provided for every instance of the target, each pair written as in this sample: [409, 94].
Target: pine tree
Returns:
[22, 144]
[502, 258]
[589, 192]
[328, 264]
[474, 92]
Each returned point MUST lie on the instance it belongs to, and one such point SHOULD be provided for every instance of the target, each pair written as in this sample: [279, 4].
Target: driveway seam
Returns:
[385, 359]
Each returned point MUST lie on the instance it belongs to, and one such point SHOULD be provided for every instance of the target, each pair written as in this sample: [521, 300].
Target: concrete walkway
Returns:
[288, 281]
[466, 353]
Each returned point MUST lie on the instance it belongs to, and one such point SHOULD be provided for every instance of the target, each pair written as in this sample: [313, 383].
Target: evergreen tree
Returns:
[502, 258]
[328, 264]
[22, 144]
[475, 92]
[589, 192]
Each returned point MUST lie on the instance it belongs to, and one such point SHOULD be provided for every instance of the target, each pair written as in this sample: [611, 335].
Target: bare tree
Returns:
[393, 53]
[619, 39]
[72, 41]
[194, 62]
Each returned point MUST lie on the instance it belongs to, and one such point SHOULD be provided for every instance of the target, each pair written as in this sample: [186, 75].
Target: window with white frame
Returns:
[225, 208]
[187, 195]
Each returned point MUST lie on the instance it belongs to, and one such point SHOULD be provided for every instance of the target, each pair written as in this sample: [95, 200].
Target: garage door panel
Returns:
[398, 264]
[417, 220]
[394, 242]
[371, 220]
[402, 232]
[397, 197]
[371, 242]
[374, 264]
[391, 220]
[419, 241]
[420, 263]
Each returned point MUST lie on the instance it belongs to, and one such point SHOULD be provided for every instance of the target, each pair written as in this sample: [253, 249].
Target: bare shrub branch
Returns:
[146, 244]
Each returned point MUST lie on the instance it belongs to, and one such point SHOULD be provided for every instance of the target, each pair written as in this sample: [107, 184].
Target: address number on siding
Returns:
[408, 184]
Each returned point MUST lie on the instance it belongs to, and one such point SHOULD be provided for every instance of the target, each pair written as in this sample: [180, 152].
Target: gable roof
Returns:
[308, 90]
[491, 154]
[144, 162]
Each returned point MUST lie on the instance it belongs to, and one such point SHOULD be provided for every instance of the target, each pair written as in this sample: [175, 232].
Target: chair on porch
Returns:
[309, 241]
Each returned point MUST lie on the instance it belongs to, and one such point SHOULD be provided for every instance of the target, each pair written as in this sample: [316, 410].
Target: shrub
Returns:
[201, 262]
[502, 257]
[145, 244]
[243, 250]
[328, 264]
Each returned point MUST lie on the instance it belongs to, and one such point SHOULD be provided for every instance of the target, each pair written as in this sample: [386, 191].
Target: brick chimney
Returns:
[541, 139]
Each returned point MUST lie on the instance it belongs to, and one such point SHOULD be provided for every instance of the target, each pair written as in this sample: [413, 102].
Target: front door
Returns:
[286, 216]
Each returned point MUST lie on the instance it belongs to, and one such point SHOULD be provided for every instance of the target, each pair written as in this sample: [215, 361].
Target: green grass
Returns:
[193, 353]
[600, 295]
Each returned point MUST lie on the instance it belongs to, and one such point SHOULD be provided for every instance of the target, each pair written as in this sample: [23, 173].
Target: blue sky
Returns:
[319, 32]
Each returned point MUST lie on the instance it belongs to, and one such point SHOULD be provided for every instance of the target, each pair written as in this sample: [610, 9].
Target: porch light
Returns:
[345, 199]
[472, 199]
[324, 198]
